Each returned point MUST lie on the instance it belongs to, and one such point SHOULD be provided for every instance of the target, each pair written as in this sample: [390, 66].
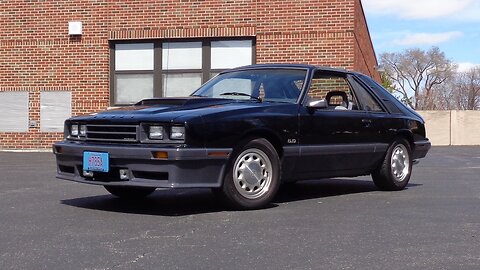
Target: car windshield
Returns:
[269, 85]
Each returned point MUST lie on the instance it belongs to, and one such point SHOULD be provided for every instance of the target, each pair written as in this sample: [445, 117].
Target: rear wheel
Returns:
[396, 169]
[253, 176]
[130, 192]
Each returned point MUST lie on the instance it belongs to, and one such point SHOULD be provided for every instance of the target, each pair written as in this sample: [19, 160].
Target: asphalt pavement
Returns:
[46, 223]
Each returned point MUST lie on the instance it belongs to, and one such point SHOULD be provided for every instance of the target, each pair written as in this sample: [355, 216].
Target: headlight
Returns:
[177, 133]
[83, 130]
[155, 133]
[74, 130]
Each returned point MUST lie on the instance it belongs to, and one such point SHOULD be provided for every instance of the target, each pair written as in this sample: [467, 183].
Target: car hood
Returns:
[169, 109]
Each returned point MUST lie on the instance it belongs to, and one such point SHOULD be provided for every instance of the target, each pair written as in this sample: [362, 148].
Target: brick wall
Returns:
[365, 60]
[37, 54]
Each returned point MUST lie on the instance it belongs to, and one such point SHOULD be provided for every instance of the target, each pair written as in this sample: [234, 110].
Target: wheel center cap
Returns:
[253, 173]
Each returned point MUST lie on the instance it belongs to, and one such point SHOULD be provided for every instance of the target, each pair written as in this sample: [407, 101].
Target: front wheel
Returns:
[130, 192]
[396, 168]
[253, 175]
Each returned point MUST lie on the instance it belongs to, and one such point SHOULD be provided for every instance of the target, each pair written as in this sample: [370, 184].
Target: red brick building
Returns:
[128, 50]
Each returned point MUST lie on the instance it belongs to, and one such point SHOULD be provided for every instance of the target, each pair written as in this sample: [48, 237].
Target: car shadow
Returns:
[314, 189]
[161, 202]
[198, 201]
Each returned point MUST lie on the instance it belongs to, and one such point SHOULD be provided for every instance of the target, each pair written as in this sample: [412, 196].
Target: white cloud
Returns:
[466, 66]
[419, 9]
[417, 39]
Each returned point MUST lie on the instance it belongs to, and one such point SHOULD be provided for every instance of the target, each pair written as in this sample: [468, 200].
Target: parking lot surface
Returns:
[46, 223]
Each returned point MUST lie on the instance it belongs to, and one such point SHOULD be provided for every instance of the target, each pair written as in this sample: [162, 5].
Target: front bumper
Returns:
[183, 168]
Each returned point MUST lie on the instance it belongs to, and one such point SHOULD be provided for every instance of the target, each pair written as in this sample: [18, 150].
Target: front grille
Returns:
[112, 133]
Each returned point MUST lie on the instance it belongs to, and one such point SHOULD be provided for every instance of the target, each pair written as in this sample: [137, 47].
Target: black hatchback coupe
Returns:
[245, 132]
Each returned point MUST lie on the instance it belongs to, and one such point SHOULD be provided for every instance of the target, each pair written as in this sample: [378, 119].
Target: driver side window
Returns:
[334, 90]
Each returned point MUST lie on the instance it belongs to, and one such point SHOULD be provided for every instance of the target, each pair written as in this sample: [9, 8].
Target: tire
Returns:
[396, 168]
[252, 178]
[130, 192]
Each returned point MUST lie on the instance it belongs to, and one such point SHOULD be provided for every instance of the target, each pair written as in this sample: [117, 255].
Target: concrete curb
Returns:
[26, 150]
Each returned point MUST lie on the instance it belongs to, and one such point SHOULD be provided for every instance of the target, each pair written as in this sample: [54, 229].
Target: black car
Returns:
[245, 132]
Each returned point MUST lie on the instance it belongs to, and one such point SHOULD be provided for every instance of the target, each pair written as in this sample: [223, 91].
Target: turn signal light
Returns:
[160, 154]
[218, 154]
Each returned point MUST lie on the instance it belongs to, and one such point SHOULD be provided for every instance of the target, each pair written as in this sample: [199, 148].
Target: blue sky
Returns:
[451, 25]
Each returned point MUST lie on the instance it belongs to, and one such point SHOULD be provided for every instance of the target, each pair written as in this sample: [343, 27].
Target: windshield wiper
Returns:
[241, 94]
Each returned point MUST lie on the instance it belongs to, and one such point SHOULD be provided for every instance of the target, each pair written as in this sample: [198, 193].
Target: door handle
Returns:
[366, 122]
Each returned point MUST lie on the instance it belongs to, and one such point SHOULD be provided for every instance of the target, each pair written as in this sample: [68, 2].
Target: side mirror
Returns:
[317, 104]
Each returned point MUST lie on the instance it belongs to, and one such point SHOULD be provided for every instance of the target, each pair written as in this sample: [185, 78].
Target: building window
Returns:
[231, 53]
[134, 64]
[181, 68]
[171, 68]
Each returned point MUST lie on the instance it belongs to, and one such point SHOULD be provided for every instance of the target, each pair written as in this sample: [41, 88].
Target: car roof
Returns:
[285, 66]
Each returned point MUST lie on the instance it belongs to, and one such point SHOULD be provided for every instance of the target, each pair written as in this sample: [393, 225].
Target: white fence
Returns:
[452, 127]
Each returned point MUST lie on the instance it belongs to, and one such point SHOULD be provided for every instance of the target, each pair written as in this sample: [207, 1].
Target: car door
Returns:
[336, 140]
[382, 127]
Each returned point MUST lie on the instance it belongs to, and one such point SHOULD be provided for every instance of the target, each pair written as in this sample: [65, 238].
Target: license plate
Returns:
[95, 162]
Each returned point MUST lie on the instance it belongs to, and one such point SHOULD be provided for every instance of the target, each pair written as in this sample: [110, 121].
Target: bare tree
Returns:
[416, 75]
[443, 96]
[466, 90]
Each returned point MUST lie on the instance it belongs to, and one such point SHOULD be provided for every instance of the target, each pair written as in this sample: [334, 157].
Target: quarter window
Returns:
[368, 103]
[173, 68]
